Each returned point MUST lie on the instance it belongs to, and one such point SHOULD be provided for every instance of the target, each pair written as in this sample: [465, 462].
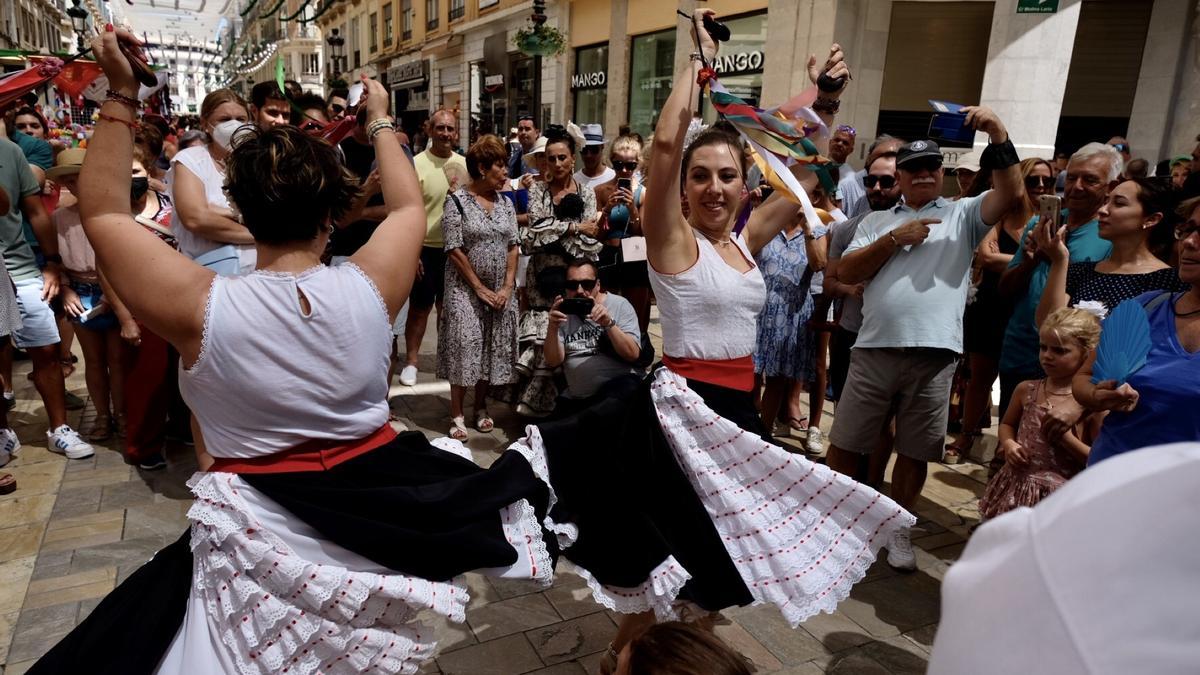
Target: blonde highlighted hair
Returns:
[1072, 323]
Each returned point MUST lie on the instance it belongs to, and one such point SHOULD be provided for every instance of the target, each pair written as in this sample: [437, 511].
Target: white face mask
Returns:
[223, 133]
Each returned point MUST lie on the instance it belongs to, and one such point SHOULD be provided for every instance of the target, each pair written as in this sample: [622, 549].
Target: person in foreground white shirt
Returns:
[1098, 578]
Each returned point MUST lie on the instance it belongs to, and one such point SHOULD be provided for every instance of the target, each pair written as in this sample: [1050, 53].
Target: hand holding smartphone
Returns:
[1050, 209]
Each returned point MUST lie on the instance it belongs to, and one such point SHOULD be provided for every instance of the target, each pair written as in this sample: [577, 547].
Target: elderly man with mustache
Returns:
[917, 256]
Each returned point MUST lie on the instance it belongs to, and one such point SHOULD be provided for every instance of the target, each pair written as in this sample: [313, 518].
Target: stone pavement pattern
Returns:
[75, 529]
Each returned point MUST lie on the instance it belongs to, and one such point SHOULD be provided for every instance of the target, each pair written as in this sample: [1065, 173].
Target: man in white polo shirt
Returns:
[917, 258]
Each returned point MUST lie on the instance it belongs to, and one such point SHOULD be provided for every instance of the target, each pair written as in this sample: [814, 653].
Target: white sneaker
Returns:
[66, 441]
[814, 444]
[408, 376]
[900, 552]
[10, 446]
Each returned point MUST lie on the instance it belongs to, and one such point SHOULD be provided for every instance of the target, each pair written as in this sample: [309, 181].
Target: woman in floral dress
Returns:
[562, 226]
[477, 338]
[785, 348]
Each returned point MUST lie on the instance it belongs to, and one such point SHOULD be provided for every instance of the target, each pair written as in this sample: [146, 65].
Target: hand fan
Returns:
[1124, 343]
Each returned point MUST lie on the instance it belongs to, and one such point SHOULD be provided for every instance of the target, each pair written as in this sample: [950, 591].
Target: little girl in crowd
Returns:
[1033, 465]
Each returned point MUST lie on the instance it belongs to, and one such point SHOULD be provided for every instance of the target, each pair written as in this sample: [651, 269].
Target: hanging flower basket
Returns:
[540, 40]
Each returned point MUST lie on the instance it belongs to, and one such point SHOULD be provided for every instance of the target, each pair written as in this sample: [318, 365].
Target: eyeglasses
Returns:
[1034, 181]
[884, 182]
[1185, 230]
[586, 284]
[846, 128]
[624, 166]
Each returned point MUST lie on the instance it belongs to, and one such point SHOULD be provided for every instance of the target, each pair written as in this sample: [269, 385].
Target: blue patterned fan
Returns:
[1124, 343]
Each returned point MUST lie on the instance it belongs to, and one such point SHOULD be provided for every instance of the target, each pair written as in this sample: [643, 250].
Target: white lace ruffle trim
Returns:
[799, 533]
[273, 609]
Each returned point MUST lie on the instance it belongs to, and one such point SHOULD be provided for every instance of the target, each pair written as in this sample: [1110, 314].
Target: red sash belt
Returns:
[308, 456]
[731, 373]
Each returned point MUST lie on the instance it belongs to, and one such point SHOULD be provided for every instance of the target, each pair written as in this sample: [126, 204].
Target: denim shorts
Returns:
[38, 327]
[91, 295]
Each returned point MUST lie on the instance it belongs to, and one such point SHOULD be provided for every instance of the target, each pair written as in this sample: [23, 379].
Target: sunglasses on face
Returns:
[1185, 230]
[586, 284]
[311, 126]
[590, 150]
[1032, 182]
[884, 182]
[1121, 147]
[624, 166]
[337, 109]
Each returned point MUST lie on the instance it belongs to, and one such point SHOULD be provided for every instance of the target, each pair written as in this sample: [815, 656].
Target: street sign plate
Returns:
[1037, 6]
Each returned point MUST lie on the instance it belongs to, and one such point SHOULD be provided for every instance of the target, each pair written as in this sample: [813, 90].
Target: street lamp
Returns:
[79, 17]
[336, 44]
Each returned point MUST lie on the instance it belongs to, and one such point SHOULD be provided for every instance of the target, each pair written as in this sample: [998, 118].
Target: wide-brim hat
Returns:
[68, 162]
[539, 147]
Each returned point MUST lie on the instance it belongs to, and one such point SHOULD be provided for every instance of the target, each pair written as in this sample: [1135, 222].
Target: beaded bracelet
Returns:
[114, 95]
[133, 126]
[374, 129]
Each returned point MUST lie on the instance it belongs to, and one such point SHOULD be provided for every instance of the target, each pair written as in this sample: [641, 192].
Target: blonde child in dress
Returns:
[1035, 466]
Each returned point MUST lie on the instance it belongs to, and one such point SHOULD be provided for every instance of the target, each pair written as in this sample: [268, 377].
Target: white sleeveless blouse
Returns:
[710, 310]
[270, 377]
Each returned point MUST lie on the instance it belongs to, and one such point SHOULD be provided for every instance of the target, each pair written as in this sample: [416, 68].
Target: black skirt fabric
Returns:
[619, 482]
[131, 629]
[406, 505]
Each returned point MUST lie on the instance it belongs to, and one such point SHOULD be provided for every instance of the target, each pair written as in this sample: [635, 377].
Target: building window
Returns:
[373, 26]
[406, 19]
[653, 65]
[387, 25]
[590, 84]
[458, 8]
[431, 14]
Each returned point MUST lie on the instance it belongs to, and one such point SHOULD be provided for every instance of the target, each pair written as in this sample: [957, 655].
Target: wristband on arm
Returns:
[998, 156]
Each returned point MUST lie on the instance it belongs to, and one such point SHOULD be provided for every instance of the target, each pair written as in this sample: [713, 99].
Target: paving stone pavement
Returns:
[75, 529]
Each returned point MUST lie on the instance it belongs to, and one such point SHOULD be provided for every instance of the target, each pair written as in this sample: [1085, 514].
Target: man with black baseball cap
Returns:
[917, 258]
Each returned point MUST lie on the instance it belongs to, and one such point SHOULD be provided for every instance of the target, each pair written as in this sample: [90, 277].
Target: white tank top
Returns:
[269, 377]
[710, 310]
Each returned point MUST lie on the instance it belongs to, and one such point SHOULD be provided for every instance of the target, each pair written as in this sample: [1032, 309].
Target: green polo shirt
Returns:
[17, 180]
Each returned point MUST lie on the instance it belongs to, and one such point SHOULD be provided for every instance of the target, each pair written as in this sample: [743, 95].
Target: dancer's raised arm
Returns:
[162, 287]
[779, 211]
[670, 244]
[390, 256]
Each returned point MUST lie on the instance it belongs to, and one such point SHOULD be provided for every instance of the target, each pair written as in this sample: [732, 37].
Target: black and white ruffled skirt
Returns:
[656, 500]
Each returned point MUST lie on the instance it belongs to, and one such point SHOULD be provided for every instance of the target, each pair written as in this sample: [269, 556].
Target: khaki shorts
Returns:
[915, 382]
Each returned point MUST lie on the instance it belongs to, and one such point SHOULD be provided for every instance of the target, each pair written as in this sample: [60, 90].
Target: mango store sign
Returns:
[738, 62]
[594, 80]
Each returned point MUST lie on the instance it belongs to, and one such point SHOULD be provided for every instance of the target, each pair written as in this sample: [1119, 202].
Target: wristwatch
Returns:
[53, 258]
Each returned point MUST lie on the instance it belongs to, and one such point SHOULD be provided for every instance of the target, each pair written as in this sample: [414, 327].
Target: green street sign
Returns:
[1037, 6]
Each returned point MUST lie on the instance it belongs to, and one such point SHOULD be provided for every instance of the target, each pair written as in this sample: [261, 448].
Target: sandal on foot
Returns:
[483, 422]
[458, 428]
[958, 448]
[608, 662]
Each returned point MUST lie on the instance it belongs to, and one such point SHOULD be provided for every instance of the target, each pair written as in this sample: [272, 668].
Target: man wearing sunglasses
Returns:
[1122, 146]
[594, 172]
[335, 107]
[596, 351]
[916, 259]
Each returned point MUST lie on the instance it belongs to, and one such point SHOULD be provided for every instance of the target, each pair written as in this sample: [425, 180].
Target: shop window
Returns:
[589, 84]
[651, 72]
